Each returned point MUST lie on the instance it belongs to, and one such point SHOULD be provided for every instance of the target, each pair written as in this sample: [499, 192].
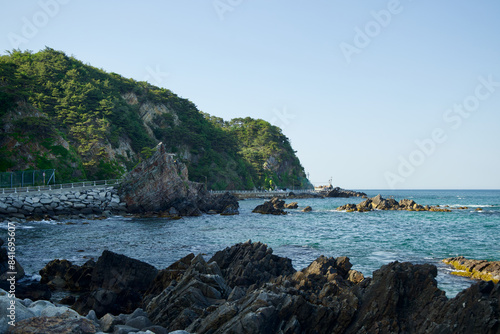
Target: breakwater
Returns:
[101, 201]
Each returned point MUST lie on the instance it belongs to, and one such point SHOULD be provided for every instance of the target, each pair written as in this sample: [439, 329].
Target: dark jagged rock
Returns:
[339, 192]
[247, 289]
[62, 274]
[200, 288]
[273, 207]
[165, 277]
[117, 286]
[251, 263]
[225, 204]
[396, 299]
[404, 298]
[292, 205]
[478, 269]
[314, 300]
[401, 298]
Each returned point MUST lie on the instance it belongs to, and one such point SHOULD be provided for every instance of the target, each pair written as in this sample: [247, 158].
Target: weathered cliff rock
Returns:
[161, 183]
[117, 285]
[478, 269]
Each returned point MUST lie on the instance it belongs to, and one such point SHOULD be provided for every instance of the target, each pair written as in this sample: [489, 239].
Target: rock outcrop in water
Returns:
[477, 269]
[245, 288]
[273, 207]
[339, 192]
[160, 184]
[380, 203]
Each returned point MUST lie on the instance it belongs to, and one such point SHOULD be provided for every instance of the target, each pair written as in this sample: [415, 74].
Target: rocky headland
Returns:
[247, 289]
[476, 269]
[380, 203]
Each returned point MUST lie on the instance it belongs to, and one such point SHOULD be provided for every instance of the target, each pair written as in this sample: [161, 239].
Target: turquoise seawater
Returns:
[369, 239]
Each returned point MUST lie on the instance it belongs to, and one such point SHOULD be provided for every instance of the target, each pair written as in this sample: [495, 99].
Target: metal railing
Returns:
[269, 192]
[51, 187]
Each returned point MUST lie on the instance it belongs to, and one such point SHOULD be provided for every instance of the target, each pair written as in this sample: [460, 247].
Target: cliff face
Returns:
[57, 112]
[159, 183]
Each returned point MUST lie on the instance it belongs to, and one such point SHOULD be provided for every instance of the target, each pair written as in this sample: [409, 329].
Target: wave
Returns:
[470, 205]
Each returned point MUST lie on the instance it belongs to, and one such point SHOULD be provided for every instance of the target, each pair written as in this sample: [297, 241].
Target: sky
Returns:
[372, 94]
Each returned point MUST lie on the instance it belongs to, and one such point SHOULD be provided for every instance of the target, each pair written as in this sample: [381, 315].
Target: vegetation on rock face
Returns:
[57, 112]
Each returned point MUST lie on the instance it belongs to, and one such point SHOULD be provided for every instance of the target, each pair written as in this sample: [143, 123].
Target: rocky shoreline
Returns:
[246, 288]
[476, 269]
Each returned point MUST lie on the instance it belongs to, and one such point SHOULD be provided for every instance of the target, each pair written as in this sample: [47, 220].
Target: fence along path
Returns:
[60, 187]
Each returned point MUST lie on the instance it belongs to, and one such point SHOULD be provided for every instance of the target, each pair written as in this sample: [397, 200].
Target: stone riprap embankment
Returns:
[92, 201]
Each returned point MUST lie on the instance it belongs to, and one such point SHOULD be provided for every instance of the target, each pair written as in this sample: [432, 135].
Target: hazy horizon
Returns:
[385, 95]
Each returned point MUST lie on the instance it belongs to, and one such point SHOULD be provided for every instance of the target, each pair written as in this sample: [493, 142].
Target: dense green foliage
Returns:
[88, 124]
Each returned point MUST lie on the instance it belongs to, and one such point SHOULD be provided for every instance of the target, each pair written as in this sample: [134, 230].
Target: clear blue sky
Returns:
[353, 84]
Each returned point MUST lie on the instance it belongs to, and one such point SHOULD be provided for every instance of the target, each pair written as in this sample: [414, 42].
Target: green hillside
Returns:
[57, 112]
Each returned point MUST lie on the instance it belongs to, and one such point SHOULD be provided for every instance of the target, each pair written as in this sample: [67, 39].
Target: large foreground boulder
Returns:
[117, 285]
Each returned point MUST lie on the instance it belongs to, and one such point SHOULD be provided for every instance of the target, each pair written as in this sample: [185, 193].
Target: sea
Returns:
[369, 239]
